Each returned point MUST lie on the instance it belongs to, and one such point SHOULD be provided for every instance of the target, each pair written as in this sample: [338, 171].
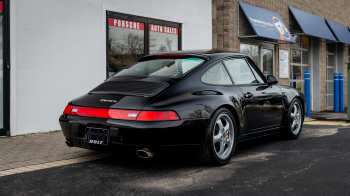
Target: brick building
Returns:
[233, 30]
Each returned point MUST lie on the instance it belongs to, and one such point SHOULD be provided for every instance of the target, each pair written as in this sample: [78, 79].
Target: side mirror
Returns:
[271, 80]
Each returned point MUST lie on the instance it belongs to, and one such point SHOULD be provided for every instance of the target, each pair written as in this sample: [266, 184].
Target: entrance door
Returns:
[267, 62]
[262, 55]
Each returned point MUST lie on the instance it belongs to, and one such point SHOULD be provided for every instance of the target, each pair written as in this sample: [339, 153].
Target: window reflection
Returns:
[216, 75]
[162, 38]
[296, 56]
[125, 44]
[241, 72]
[252, 51]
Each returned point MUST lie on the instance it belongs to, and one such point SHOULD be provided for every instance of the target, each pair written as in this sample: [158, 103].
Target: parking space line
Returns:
[53, 164]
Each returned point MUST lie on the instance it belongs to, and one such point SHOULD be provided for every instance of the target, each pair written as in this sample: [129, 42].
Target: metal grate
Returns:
[132, 87]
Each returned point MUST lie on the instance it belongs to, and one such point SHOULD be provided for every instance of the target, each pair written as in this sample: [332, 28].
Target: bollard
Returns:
[341, 92]
[294, 83]
[336, 93]
[307, 93]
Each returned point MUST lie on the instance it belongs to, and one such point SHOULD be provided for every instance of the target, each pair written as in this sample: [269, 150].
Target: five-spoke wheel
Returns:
[223, 136]
[219, 142]
[295, 120]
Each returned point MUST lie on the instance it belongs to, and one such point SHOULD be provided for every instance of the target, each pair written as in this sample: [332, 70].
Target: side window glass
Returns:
[240, 71]
[216, 75]
[257, 76]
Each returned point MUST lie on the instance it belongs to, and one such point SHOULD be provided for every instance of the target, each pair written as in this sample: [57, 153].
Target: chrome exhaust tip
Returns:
[69, 143]
[145, 153]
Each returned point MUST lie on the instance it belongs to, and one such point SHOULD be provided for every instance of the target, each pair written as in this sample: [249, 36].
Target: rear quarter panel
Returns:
[289, 94]
[185, 100]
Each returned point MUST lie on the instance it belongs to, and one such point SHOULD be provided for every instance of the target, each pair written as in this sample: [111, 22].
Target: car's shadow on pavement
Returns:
[188, 159]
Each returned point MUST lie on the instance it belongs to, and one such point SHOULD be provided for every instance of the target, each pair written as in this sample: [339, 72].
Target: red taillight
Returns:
[121, 114]
[157, 116]
[67, 109]
[105, 113]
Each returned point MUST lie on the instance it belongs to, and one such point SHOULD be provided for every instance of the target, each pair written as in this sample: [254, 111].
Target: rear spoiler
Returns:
[152, 57]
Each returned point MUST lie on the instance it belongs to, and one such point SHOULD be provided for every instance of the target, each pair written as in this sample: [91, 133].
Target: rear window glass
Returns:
[161, 67]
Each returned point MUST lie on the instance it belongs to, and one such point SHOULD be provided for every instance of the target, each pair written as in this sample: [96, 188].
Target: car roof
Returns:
[203, 52]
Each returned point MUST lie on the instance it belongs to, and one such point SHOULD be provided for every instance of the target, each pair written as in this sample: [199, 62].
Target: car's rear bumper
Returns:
[135, 133]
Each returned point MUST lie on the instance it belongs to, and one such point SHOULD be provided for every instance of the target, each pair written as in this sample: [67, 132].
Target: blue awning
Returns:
[266, 23]
[312, 24]
[340, 31]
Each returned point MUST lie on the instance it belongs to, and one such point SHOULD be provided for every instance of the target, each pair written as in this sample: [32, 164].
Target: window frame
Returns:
[146, 21]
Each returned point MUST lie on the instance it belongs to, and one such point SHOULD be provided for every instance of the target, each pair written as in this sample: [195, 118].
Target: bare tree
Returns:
[168, 43]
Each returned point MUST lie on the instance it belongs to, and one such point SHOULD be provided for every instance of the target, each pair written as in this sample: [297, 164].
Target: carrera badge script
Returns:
[111, 101]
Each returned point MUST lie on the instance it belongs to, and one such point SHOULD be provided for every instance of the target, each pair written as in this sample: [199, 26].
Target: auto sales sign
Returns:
[266, 23]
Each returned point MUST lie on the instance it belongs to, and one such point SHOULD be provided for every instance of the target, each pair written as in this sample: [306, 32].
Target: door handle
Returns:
[248, 95]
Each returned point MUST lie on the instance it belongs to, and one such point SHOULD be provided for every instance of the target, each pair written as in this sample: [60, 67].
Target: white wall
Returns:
[58, 50]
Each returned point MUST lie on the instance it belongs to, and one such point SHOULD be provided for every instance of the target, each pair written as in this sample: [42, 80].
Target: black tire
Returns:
[208, 153]
[291, 133]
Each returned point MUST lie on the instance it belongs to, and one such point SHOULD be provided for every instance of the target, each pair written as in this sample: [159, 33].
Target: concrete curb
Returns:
[333, 123]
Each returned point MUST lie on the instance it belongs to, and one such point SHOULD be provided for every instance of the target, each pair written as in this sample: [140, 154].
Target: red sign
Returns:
[126, 24]
[1, 6]
[163, 29]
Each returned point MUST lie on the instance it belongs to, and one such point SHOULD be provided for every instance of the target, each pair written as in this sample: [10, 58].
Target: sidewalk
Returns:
[36, 149]
[329, 115]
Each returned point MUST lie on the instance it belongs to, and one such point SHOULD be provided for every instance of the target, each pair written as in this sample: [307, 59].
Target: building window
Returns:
[126, 43]
[131, 37]
[330, 68]
[163, 38]
[300, 61]
[261, 55]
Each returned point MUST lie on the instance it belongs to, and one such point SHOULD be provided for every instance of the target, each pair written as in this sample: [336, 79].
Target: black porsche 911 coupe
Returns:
[207, 99]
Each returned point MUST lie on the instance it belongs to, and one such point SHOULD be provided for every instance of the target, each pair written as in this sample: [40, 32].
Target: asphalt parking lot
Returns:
[318, 163]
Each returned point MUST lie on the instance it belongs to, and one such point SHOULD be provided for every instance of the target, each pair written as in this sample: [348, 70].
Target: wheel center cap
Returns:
[224, 136]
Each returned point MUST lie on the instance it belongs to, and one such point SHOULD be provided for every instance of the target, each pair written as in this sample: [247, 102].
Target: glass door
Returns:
[267, 62]
[261, 55]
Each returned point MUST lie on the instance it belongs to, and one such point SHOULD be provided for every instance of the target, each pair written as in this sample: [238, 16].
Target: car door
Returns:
[261, 102]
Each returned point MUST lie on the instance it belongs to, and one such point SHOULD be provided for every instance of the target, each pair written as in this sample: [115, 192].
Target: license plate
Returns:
[97, 136]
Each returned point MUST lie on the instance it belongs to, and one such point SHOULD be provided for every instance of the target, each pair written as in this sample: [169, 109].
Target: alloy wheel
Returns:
[223, 136]
[296, 118]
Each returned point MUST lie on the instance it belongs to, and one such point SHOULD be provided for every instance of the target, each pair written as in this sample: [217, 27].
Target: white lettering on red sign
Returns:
[126, 24]
[163, 29]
